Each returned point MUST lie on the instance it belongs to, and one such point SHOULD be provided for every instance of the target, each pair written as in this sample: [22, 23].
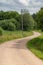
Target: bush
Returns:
[11, 22]
[15, 22]
[7, 25]
[10, 26]
[1, 31]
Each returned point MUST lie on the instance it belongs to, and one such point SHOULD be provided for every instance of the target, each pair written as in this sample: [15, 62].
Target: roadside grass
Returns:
[36, 46]
[10, 35]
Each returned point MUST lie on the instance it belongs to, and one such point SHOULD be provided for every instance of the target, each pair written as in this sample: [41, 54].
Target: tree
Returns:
[1, 15]
[39, 19]
[8, 15]
[34, 16]
[28, 22]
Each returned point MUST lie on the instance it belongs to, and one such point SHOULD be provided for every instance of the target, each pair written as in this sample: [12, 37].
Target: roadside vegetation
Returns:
[11, 25]
[36, 45]
[12, 35]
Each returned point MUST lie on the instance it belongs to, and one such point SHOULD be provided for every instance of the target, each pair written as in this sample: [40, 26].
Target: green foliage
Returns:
[1, 15]
[11, 20]
[39, 19]
[34, 16]
[16, 23]
[28, 22]
[7, 25]
[8, 15]
[1, 31]
[36, 46]
[10, 35]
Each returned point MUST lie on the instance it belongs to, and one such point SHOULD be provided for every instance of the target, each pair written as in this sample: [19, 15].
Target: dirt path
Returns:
[15, 53]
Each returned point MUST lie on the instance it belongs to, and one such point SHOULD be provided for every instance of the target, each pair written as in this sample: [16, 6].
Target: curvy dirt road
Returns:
[15, 52]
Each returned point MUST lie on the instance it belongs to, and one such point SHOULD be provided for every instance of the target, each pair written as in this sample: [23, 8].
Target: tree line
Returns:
[12, 20]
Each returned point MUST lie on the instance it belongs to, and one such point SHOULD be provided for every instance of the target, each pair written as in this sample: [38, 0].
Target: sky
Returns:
[16, 5]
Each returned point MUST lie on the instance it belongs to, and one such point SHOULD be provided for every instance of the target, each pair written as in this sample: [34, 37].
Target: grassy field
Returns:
[10, 35]
[36, 46]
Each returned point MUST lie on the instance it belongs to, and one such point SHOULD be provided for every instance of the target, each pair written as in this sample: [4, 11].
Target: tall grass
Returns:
[10, 35]
[36, 46]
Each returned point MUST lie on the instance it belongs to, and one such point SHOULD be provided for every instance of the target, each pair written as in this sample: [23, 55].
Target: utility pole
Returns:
[22, 19]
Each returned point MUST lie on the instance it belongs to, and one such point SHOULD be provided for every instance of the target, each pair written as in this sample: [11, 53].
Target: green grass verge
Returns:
[10, 35]
[36, 46]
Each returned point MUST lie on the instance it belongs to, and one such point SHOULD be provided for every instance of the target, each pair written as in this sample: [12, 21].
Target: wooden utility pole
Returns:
[22, 20]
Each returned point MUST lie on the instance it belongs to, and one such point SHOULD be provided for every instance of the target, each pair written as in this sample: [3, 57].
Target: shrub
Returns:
[7, 25]
[15, 22]
[1, 31]
[11, 26]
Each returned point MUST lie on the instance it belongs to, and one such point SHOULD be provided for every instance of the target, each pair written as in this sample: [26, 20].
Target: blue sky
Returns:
[32, 5]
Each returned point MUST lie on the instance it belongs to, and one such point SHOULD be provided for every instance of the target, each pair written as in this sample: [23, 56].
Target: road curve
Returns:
[15, 52]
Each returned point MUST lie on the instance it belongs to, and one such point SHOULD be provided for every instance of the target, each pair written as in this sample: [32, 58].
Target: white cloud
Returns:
[2, 1]
[7, 1]
[36, 3]
[11, 2]
[4, 9]
[34, 10]
[24, 2]
[32, 5]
